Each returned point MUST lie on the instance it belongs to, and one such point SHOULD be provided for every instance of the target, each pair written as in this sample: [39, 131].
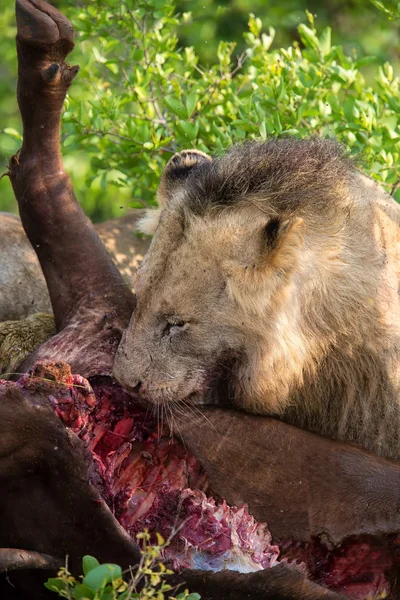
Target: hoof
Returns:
[41, 25]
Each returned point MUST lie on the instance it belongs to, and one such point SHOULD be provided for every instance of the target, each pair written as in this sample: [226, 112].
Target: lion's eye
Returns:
[174, 326]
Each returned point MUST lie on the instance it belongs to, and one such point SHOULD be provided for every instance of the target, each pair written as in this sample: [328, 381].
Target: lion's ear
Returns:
[280, 242]
[276, 254]
[175, 173]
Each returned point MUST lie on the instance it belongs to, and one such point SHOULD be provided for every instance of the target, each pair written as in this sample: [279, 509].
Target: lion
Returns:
[272, 283]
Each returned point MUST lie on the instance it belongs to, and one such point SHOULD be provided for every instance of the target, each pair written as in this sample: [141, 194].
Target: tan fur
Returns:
[149, 222]
[306, 324]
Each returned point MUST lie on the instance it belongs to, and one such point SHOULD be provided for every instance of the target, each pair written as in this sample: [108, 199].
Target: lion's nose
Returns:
[124, 378]
[135, 389]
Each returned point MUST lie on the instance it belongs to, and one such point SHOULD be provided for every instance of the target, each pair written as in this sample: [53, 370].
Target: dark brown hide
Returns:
[285, 583]
[302, 484]
[45, 495]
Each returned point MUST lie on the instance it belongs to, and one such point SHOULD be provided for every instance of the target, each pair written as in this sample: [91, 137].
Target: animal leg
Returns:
[91, 303]
[279, 583]
[79, 273]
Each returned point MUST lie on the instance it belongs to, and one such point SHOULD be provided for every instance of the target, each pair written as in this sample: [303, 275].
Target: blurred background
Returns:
[356, 24]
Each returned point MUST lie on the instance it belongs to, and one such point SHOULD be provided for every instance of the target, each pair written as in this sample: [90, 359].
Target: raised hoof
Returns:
[39, 24]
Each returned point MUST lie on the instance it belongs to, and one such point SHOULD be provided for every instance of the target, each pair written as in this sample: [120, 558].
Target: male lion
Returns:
[276, 269]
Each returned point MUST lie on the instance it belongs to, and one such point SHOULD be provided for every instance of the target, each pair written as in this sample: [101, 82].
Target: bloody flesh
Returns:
[150, 481]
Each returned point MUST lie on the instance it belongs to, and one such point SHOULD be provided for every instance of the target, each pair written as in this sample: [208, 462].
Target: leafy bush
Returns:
[106, 581]
[150, 98]
[355, 23]
[140, 97]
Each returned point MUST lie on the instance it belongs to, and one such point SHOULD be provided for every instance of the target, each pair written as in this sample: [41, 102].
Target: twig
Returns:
[67, 588]
[395, 187]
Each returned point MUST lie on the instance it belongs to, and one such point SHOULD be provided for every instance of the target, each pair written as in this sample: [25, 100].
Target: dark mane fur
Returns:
[289, 174]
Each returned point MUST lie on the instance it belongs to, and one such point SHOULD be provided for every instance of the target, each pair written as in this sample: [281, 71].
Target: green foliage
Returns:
[355, 23]
[391, 8]
[150, 98]
[106, 582]
[140, 95]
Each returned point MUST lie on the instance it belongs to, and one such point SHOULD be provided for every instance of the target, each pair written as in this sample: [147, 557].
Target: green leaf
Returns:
[325, 41]
[375, 142]
[81, 592]
[107, 594]
[175, 105]
[334, 103]
[89, 563]
[191, 101]
[280, 90]
[189, 130]
[366, 60]
[308, 37]
[111, 66]
[131, 126]
[348, 108]
[391, 8]
[277, 123]
[54, 584]
[255, 25]
[292, 131]
[268, 39]
[362, 137]
[101, 575]
[143, 133]
[98, 163]
[141, 93]
[263, 131]
[13, 132]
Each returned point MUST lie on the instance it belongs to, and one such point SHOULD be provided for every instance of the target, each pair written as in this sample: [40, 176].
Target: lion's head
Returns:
[268, 280]
[239, 276]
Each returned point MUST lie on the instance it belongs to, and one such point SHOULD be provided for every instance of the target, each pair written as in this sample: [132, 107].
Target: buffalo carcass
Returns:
[329, 505]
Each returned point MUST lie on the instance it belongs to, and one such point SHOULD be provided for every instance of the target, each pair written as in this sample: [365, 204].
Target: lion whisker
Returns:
[195, 408]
